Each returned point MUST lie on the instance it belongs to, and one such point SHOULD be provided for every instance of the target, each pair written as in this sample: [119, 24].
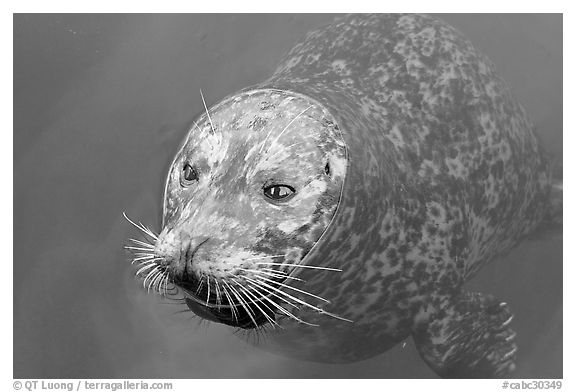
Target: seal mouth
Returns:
[227, 302]
[249, 300]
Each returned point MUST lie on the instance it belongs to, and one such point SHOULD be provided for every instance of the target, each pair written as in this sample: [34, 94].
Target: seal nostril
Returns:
[190, 248]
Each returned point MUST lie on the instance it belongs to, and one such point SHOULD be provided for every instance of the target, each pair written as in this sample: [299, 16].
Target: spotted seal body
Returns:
[384, 147]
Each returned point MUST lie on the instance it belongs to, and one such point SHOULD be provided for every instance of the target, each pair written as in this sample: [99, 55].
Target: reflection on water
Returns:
[101, 103]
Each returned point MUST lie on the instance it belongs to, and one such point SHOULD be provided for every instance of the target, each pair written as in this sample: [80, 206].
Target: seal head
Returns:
[254, 186]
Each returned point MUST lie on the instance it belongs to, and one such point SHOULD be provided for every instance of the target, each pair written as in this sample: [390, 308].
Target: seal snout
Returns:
[175, 249]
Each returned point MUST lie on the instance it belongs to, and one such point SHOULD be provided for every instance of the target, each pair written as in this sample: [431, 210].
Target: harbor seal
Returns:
[341, 204]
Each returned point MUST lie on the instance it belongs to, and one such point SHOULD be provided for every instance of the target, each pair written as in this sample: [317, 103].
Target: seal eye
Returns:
[189, 174]
[279, 192]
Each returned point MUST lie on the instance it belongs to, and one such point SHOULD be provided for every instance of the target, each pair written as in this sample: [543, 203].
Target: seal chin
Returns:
[250, 318]
[203, 302]
[221, 300]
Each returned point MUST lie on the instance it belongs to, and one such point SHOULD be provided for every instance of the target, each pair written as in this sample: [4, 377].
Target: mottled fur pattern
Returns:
[445, 173]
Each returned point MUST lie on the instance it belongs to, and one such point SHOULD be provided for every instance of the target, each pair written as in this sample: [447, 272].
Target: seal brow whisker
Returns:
[208, 114]
[290, 123]
[283, 149]
[303, 266]
[285, 128]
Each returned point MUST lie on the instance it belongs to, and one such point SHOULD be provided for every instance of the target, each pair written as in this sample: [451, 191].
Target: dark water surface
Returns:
[100, 105]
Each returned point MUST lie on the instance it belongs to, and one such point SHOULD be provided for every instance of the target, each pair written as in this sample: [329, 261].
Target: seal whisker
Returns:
[137, 248]
[154, 283]
[283, 299]
[304, 302]
[147, 266]
[150, 273]
[216, 288]
[244, 305]
[272, 274]
[150, 276]
[279, 307]
[290, 123]
[141, 227]
[255, 302]
[149, 256]
[144, 252]
[303, 266]
[264, 297]
[141, 243]
[143, 257]
[282, 150]
[208, 114]
[207, 139]
[293, 288]
[161, 285]
[164, 284]
[285, 128]
[232, 305]
[199, 284]
[143, 260]
[146, 262]
[279, 272]
[208, 286]
[264, 257]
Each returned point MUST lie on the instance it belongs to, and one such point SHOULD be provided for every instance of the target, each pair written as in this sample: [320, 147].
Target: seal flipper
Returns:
[467, 336]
